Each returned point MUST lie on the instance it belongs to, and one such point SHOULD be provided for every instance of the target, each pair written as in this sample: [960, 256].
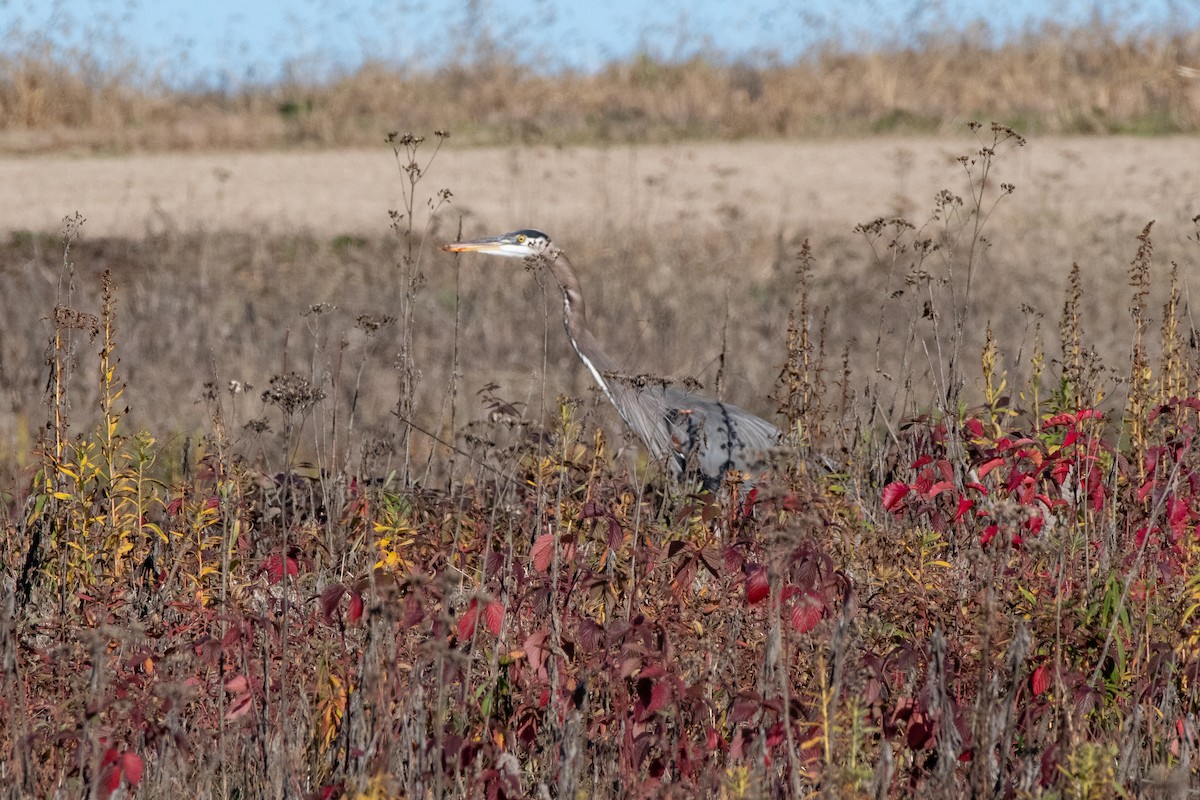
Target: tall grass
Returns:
[1079, 80]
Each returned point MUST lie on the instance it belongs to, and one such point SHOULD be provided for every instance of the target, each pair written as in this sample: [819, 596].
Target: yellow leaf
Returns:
[156, 530]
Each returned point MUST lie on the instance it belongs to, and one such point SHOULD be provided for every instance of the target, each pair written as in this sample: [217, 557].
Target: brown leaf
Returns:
[329, 601]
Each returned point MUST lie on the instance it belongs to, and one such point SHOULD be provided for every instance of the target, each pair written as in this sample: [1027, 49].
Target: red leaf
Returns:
[987, 466]
[493, 616]
[240, 706]
[1049, 766]
[975, 427]
[131, 767]
[413, 613]
[775, 735]
[757, 585]
[110, 780]
[751, 499]
[591, 509]
[329, 601]
[274, 565]
[1040, 680]
[1096, 495]
[939, 487]
[807, 612]
[737, 747]
[944, 467]
[1177, 512]
[356, 606]
[964, 505]
[652, 671]
[536, 651]
[919, 735]
[988, 534]
[743, 710]
[543, 551]
[659, 696]
[733, 559]
[589, 635]
[616, 536]
[1069, 419]
[1139, 536]
[466, 623]
[893, 493]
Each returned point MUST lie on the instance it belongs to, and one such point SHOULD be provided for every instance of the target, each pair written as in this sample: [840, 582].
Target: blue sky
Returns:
[215, 42]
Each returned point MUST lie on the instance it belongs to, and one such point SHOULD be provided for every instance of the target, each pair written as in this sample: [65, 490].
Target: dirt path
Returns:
[836, 183]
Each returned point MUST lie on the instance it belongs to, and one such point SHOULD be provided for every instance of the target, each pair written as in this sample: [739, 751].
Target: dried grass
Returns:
[1079, 80]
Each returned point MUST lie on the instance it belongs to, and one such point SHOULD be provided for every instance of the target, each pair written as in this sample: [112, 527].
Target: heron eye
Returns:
[521, 239]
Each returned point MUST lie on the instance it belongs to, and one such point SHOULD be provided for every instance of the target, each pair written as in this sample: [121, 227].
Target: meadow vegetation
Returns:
[1088, 79]
[294, 516]
[288, 517]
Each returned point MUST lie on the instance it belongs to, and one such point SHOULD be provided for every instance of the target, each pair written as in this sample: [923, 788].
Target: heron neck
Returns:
[593, 355]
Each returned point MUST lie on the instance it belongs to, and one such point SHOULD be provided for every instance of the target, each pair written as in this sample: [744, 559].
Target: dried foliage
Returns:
[1052, 80]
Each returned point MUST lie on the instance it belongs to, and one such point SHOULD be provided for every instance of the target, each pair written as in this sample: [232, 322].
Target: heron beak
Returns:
[491, 244]
[505, 245]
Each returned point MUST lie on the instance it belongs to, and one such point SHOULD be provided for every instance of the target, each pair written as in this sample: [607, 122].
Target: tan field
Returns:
[574, 191]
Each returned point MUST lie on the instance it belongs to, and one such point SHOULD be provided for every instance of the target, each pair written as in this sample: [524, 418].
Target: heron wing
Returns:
[695, 433]
[713, 437]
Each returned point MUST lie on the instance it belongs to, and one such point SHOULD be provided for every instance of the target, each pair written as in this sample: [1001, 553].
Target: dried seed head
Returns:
[292, 393]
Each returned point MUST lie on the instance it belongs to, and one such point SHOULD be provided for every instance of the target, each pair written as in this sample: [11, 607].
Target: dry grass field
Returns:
[1050, 81]
[297, 505]
[219, 256]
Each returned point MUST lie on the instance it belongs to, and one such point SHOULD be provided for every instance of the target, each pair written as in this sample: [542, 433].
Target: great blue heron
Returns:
[696, 434]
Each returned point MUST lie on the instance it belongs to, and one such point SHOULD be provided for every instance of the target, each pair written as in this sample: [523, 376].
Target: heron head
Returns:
[518, 244]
